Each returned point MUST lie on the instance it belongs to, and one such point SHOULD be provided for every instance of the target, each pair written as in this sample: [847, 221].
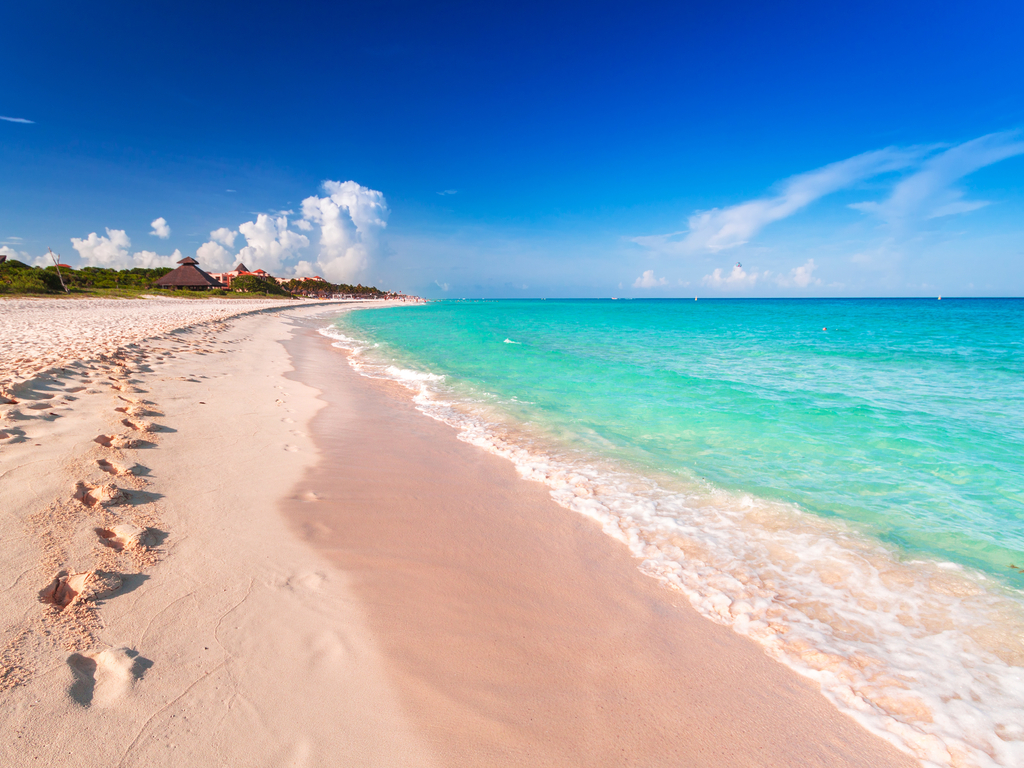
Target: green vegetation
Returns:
[19, 278]
[253, 284]
[321, 287]
[16, 277]
[99, 282]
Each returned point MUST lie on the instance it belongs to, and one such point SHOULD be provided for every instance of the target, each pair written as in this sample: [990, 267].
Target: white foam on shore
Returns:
[927, 655]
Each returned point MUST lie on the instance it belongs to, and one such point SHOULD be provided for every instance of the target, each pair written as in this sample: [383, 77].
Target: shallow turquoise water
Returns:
[904, 418]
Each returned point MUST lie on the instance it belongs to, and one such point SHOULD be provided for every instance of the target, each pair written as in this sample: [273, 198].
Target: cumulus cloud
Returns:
[801, 277]
[8, 252]
[648, 280]
[112, 252]
[269, 242]
[213, 256]
[160, 228]
[98, 251]
[352, 219]
[224, 236]
[305, 269]
[737, 279]
[151, 259]
[930, 192]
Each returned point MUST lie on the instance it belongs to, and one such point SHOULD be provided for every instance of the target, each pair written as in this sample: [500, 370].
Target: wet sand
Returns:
[514, 630]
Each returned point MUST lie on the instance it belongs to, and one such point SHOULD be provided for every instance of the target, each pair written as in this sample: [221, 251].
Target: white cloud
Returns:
[269, 242]
[305, 269]
[929, 192]
[151, 259]
[442, 286]
[648, 280]
[449, 192]
[18, 120]
[801, 277]
[352, 219]
[112, 252]
[160, 228]
[8, 252]
[214, 257]
[737, 279]
[224, 236]
[719, 229]
[98, 251]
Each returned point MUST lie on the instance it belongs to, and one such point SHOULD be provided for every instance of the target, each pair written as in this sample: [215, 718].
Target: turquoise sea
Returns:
[839, 479]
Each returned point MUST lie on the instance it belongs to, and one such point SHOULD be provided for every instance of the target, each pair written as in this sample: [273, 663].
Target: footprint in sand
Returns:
[288, 421]
[139, 425]
[67, 588]
[117, 441]
[106, 495]
[101, 678]
[125, 536]
[291, 448]
[114, 468]
[135, 409]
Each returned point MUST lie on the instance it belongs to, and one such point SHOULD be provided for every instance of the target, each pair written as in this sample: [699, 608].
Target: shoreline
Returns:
[517, 627]
[452, 624]
[919, 652]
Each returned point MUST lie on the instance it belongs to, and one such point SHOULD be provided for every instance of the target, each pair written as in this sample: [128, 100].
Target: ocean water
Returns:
[840, 480]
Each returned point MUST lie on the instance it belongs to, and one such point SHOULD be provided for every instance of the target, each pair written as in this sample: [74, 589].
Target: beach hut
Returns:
[189, 276]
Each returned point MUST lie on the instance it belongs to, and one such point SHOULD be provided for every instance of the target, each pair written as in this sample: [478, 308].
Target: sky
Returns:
[524, 149]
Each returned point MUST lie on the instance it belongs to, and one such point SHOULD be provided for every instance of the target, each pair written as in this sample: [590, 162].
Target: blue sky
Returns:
[518, 149]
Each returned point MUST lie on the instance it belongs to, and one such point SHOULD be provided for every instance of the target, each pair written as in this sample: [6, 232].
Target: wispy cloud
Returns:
[722, 228]
[930, 192]
[18, 120]
[648, 280]
[442, 286]
[449, 192]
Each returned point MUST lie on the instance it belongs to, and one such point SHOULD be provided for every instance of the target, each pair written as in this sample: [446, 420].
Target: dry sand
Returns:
[417, 604]
[188, 625]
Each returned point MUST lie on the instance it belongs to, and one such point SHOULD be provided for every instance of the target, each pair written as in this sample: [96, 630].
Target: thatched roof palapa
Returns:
[188, 275]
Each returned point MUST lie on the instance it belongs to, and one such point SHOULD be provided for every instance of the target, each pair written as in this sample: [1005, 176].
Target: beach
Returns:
[225, 547]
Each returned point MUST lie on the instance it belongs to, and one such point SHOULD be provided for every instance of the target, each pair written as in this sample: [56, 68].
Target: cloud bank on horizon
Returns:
[349, 218]
[926, 189]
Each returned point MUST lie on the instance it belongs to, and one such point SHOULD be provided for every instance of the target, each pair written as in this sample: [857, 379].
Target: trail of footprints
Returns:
[109, 503]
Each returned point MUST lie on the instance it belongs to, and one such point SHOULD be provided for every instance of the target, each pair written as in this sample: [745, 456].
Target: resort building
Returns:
[227, 277]
[189, 276]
